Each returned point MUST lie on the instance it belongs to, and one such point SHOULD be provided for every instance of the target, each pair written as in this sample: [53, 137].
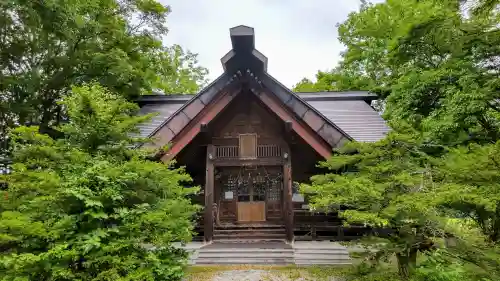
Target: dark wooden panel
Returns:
[193, 128]
[193, 108]
[313, 120]
[178, 122]
[287, 194]
[209, 197]
[162, 137]
[330, 134]
[309, 136]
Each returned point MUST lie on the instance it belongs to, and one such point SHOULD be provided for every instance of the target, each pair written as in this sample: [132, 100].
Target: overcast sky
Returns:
[298, 37]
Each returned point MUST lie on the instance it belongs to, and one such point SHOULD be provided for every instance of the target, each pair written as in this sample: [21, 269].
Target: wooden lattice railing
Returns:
[263, 151]
[268, 150]
[226, 151]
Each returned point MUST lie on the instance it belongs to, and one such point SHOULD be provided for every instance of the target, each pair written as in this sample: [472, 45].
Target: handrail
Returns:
[263, 151]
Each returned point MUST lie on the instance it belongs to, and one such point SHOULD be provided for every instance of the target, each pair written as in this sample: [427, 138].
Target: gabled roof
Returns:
[334, 116]
[349, 110]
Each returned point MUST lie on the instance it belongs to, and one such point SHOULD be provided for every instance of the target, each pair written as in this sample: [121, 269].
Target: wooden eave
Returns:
[321, 125]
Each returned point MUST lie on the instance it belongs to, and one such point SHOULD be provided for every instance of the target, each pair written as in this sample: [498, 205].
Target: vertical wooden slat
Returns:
[209, 195]
[287, 183]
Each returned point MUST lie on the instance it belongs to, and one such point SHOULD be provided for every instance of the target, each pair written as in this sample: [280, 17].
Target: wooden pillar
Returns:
[209, 195]
[287, 184]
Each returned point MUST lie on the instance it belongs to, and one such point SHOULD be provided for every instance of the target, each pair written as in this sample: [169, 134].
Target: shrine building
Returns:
[248, 140]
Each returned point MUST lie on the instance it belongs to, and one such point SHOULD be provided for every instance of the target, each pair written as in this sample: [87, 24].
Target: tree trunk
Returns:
[494, 235]
[407, 262]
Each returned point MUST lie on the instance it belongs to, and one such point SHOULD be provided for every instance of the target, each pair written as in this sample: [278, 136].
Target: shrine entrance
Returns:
[249, 194]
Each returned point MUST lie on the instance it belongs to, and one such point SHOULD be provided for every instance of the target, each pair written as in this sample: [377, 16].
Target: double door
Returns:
[251, 195]
[251, 204]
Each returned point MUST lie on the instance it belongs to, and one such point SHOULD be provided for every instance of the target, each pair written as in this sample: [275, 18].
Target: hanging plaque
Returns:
[297, 197]
[228, 195]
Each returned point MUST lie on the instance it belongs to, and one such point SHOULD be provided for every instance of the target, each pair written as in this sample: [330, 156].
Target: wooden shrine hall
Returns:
[248, 141]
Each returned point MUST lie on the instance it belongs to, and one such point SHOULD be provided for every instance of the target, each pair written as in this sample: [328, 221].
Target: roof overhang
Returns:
[243, 54]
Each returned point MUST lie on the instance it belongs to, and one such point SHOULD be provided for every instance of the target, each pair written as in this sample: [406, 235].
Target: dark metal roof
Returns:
[164, 111]
[356, 117]
[340, 95]
[348, 110]
[307, 96]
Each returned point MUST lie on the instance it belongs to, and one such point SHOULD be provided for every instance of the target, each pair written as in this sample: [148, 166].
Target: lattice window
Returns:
[259, 188]
[230, 184]
[274, 188]
[248, 146]
[243, 190]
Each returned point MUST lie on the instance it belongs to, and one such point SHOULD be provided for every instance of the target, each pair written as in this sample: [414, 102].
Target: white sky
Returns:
[299, 37]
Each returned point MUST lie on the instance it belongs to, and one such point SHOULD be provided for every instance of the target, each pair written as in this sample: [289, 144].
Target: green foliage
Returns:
[48, 46]
[437, 268]
[89, 206]
[388, 185]
[470, 185]
[435, 178]
[339, 79]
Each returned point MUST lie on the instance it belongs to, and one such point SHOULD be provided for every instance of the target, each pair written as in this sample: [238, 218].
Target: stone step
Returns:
[321, 251]
[245, 250]
[250, 240]
[315, 262]
[249, 226]
[250, 230]
[249, 236]
[320, 257]
[226, 261]
[246, 255]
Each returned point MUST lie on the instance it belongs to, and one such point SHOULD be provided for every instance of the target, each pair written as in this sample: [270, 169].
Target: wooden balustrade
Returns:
[263, 151]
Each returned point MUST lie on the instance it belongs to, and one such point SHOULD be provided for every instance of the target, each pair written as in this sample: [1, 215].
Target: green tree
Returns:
[437, 69]
[88, 206]
[48, 46]
[386, 185]
[338, 79]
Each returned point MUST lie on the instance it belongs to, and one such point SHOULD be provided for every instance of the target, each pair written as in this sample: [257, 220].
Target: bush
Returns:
[88, 206]
[437, 268]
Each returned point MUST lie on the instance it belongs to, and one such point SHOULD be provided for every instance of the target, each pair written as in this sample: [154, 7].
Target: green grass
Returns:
[319, 273]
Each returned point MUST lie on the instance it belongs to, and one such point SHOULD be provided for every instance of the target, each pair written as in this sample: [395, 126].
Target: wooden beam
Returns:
[187, 134]
[306, 133]
[203, 127]
[275, 161]
[287, 184]
[209, 196]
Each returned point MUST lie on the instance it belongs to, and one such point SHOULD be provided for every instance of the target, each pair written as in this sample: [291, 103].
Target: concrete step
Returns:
[250, 230]
[225, 261]
[321, 255]
[246, 255]
[244, 250]
[249, 240]
[322, 251]
[249, 226]
[315, 262]
[249, 236]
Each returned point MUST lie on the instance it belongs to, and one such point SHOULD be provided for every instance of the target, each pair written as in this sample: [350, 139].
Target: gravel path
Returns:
[258, 275]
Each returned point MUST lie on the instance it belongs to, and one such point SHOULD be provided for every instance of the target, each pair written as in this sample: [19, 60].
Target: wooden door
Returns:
[252, 199]
[253, 211]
